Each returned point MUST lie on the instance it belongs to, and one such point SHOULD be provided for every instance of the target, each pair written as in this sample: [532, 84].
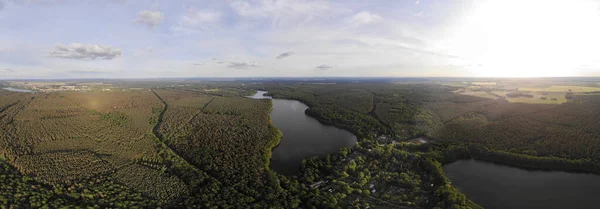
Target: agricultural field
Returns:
[525, 93]
[579, 89]
[483, 83]
[535, 98]
[482, 94]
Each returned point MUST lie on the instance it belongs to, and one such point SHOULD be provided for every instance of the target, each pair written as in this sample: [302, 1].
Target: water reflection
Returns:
[303, 136]
[17, 90]
[496, 186]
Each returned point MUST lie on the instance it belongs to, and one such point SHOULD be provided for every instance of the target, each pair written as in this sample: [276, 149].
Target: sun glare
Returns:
[533, 38]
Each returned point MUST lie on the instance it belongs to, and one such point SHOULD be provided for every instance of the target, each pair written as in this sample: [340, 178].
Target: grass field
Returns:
[562, 89]
[537, 97]
[484, 83]
[456, 84]
[473, 87]
[480, 94]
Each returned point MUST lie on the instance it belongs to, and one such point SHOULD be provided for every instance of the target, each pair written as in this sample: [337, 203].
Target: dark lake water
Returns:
[496, 186]
[303, 136]
[17, 90]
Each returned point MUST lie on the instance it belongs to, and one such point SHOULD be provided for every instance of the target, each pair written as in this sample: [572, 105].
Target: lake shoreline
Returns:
[522, 161]
[306, 136]
[18, 90]
[524, 187]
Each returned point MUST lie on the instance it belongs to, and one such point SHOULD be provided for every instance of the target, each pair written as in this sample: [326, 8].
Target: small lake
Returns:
[496, 186]
[303, 136]
[17, 90]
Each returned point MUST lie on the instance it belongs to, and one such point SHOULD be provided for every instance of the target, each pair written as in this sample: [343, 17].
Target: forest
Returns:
[543, 136]
[199, 146]
[205, 145]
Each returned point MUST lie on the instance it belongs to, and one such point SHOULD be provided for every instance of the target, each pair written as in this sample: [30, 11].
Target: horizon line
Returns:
[299, 77]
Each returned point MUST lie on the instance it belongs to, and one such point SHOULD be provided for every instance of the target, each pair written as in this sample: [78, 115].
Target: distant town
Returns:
[59, 86]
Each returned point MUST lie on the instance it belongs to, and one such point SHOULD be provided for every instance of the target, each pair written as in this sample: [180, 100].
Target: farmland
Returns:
[563, 89]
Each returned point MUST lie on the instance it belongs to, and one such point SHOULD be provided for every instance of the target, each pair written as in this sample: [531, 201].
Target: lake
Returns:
[303, 136]
[17, 90]
[496, 186]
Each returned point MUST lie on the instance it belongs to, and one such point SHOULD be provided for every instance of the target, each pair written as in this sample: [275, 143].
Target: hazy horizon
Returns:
[150, 39]
[313, 78]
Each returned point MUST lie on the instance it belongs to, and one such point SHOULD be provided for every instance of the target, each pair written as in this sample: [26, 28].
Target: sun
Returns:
[532, 38]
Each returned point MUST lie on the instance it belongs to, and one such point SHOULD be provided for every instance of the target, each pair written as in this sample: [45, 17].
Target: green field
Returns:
[455, 84]
[484, 83]
[562, 89]
[480, 94]
[537, 97]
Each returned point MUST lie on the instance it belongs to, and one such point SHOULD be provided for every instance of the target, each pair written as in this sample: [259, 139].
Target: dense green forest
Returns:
[545, 136]
[205, 145]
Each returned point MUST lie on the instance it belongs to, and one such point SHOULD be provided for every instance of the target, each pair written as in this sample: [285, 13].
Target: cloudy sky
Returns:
[284, 38]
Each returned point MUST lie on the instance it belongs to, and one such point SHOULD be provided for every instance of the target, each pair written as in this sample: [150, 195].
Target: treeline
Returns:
[445, 196]
[552, 132]
[448, 152]
[400, 111]
[534, 162]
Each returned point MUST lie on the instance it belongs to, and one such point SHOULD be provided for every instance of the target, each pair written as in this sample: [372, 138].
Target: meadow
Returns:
[580, 89]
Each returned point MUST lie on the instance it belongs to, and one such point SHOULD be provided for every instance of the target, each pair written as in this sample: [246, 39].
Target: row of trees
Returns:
[565, 131]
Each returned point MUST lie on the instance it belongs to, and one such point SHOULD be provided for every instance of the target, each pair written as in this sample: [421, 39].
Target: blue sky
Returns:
[283, 38]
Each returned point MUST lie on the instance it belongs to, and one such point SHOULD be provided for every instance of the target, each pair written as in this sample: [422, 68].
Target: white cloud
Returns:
[242, 65]
[266, 8]
[284, 55]
[39, 1]
[231, 64]
[85, 52]
[363, 18]
[149, 18]
[300, 37]
[323, 67]
[284, 13]
[198, 18]
[196, 21]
